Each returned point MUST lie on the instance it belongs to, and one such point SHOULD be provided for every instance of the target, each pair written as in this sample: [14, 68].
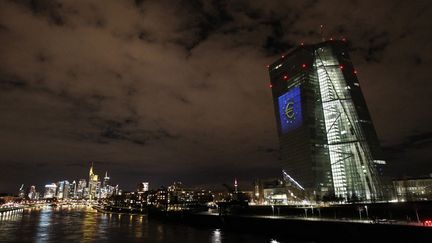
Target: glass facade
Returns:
[350, 159]
[331, 148]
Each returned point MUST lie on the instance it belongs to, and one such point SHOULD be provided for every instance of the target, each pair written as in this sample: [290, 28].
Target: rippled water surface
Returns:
[83, 224]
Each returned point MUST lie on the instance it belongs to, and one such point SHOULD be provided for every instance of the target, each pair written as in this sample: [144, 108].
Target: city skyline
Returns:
[149, 98]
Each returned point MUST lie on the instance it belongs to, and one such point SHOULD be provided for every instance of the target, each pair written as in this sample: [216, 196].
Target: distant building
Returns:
[162, 197]
[21, 193]
[178, 193]
[276, 191]
[327, 138]
[73, 190]
[33, 194]
[413, 189]
[94, 184]
[50, 191]
[106, 180]
[143, 187]
[81, 189]
[63, 188]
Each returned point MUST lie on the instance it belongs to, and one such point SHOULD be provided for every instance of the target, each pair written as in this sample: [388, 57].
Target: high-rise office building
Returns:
[50, 190]
[33, 195]
[106, 180]
[80, 192]
[94, 184]
[63, 188]
[73, 190]
[327, 140]
[143, 187]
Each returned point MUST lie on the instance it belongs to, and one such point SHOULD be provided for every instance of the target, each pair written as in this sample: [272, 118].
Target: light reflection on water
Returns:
[84, 224]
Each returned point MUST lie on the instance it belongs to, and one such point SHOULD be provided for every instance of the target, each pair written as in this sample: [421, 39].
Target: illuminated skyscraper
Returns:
[106, 179]
[73, 190]
[143, 187]
[94, 184]
[63, 188]
[80, 192]
[32, 193]
[50, 191]
[327, 139]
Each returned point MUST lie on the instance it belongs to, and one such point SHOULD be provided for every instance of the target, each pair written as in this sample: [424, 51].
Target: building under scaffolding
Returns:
[327, 139]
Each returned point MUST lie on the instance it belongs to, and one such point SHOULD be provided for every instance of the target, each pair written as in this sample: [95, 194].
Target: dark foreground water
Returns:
[83, 224]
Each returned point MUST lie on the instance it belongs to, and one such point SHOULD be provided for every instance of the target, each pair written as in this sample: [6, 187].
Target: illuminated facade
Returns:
[63, 189]
[143, 187]
[327, 139]
[81, 189]
[414, 189]
[94, 184]
[50, 191]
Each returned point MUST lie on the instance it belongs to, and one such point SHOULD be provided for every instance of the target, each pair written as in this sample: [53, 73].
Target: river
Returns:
[84, 224]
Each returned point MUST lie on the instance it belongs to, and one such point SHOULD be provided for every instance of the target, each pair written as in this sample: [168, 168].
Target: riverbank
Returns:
[299, 228]
[327, 230]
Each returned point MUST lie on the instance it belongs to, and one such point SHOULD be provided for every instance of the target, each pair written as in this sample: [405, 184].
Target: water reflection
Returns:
[44, 225]
[89, 225]
[216, 236]
[11, 216]
[83, 224]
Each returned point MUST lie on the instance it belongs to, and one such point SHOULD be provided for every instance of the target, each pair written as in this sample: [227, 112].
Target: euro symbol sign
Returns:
[289, 110]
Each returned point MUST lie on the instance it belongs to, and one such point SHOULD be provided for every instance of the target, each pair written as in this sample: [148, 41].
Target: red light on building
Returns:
[285, 77]
[355, 71]
[270, 85]
[344, 39]
[427, 223]
[282, 56]
[331, 38]
[341, 66]
[304, 65]
[302, 44]
[268, 66]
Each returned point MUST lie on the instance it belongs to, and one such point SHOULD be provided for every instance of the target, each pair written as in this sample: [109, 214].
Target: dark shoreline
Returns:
[298, 229]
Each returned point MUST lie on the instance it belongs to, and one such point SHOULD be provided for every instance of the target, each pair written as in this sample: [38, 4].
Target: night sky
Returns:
[178, 90]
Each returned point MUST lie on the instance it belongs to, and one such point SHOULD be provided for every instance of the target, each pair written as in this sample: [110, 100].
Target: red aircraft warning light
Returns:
[285, 77]
[304, 65]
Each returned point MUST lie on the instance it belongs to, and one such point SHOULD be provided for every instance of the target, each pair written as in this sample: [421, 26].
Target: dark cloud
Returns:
[167, 90]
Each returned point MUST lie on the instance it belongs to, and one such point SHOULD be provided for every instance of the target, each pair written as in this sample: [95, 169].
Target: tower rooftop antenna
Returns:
[322, 32]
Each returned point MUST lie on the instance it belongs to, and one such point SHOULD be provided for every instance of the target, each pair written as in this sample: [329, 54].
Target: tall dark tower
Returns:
[327, 139]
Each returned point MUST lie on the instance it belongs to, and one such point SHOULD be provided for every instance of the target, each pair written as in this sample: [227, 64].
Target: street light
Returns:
[360, 209]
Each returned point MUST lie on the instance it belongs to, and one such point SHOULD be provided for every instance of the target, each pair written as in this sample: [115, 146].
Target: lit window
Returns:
[278, 66]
